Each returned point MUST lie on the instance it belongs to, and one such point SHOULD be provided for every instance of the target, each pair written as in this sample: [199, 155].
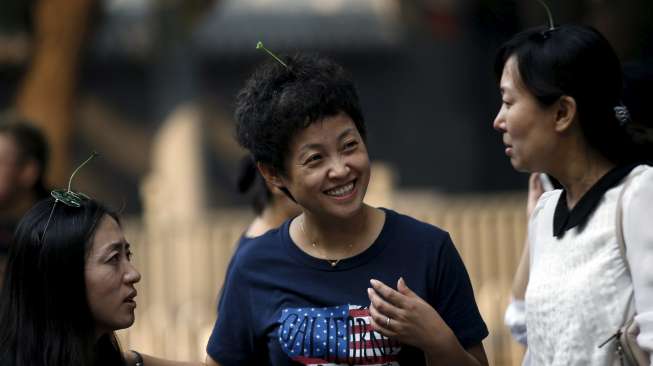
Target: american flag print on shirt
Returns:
[332, 336]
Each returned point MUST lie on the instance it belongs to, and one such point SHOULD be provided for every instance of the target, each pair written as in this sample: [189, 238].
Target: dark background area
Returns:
[423, 69]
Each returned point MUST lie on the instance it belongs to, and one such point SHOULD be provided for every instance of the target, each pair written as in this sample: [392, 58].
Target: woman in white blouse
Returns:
[562, 115]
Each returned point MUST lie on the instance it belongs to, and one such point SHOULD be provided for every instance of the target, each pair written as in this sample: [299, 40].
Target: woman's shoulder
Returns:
[640, 185]
[403, 224]
[266, 244]
[642, 176]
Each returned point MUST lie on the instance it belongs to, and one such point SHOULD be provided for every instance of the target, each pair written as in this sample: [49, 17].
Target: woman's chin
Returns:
[129, 322]
[123, 323]
[348, 211]
[519, 166]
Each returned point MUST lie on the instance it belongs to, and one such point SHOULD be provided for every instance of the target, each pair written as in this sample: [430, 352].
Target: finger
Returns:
[535, 190]
[538, 187]
[390, 295]
[403, 288]
[380, 323]
[383, 330]
[534, 180]
[382, 306]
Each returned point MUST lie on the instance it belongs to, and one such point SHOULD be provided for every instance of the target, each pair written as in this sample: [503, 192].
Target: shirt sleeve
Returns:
[232, 341]
[638, 235]
[455, 297]
[515, 320]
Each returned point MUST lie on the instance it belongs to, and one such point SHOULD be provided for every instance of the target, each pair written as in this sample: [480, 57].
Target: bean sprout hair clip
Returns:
[68, 197]
[545, 33]
[260, 46]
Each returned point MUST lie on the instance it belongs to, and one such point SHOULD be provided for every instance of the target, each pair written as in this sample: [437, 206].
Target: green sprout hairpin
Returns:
[548, 13]
[68, 197]
[260, 46]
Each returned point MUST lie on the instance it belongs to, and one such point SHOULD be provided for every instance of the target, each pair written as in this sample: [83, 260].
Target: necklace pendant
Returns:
[334, 263]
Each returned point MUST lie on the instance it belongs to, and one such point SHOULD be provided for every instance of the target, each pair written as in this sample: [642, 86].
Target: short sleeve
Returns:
[638, 235]
[515, 320]
[232, 341]
[454, 297]
[242, 242]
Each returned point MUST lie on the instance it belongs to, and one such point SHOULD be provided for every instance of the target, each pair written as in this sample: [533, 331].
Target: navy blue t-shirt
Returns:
[281, 306]
[242, 241]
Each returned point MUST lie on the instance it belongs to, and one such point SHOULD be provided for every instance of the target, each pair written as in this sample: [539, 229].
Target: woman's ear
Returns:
[565, 113]
[270, 174]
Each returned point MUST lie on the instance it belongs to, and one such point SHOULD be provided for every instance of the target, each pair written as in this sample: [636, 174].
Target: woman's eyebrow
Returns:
[116, 246]
[344, 133]
[309, 147]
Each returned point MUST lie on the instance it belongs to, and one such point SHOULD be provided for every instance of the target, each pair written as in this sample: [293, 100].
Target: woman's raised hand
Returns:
[402, 315]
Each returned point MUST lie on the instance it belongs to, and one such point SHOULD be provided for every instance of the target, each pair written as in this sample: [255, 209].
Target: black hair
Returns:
[31, 145]
[278, 101]
[638, 92]
[579, 62]
[44, 311]
[251, 182]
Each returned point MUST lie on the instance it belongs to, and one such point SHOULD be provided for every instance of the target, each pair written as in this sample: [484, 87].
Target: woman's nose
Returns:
[132, 275]
[499, 123]
[339, 168]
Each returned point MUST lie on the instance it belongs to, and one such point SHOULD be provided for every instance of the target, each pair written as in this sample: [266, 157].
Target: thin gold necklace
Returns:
[315, 244]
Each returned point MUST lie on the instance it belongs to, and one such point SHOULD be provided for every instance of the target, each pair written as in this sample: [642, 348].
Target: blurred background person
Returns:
[23, 165]
[272, 207]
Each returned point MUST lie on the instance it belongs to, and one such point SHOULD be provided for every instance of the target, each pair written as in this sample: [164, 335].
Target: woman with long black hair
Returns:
[69, 286]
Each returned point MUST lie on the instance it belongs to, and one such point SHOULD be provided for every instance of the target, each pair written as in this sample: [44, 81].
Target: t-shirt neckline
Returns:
[344, 264]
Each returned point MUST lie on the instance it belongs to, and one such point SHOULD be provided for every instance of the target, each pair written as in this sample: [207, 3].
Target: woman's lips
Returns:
[349, 190]
[130, 299]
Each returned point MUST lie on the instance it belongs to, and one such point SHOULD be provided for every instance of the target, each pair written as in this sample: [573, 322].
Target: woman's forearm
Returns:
[457, 355]
[520, 282]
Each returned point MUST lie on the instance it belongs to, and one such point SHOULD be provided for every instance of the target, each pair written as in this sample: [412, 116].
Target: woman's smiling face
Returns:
[327, 168]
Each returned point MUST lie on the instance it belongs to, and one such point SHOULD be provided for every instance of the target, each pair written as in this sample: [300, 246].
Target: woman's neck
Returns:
[99, 333]
[581, 172]
[338, 234]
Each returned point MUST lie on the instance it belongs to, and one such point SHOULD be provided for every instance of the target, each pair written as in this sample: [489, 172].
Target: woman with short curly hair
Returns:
[344, 282]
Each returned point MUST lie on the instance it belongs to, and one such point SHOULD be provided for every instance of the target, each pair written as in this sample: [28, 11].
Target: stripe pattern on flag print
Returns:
[331, 336]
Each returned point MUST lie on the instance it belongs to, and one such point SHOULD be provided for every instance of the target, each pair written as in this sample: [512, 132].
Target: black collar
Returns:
[564, 219]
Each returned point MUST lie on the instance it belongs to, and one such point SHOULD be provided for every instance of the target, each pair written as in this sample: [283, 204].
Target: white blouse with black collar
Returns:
[579, 286]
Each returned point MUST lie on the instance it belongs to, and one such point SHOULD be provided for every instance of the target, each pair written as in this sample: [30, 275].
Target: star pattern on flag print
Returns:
[330, 336]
